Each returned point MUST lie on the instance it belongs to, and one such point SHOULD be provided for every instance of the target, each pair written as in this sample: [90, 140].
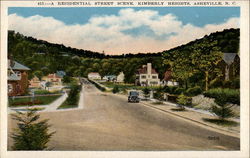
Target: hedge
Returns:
[193, 91]
[229, 95]
[97, 85]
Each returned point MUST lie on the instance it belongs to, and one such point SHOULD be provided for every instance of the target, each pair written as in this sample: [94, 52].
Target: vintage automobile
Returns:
[133, 97]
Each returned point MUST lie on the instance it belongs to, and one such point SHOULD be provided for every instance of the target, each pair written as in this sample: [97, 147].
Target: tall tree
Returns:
[205, 57]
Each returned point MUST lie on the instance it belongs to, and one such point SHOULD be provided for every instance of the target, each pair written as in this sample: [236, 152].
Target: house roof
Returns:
[60, 73]
[53, 76]
[93, 73]
[110, 76]
[229, 57]
[144, 70]
[13, 77]
[18, 66]
[167, 75]
[35, 78]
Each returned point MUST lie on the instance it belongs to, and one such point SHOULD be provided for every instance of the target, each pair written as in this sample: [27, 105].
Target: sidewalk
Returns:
[54, 105]
[51, 107]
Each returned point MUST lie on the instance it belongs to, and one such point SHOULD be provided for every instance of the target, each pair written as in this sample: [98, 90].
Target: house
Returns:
[110, 78]
[94, 76]
[147, 76]
[35, 82]
[168, 80]
[54, 79]
[17, 78]
[60, 73]
[120, 78]
[230, 66]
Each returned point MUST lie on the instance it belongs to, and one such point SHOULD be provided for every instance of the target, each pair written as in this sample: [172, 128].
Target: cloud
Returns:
[129, 31]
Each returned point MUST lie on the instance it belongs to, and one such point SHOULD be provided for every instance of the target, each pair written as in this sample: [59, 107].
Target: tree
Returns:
[181, 65]
[31, 134]
[223, 98]
[66, 79]
[206, 57]
[223, 110]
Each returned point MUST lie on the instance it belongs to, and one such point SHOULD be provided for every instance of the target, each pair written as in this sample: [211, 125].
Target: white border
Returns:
[244, 57]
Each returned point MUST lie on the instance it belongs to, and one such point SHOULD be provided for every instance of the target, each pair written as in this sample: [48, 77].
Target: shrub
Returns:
[233, 84]
[231, 95]
[227, 84]
[30, 134]
[97, 85]
[158, 95]
[172, 98]
[173, 90]
[146, 92]
[184, 100]
[73, 95]
[222, 98]
[170, 89]
[216, 83]
[236, 83]
[115, 89]
[194, 91]
[179, 91]
[222, 111]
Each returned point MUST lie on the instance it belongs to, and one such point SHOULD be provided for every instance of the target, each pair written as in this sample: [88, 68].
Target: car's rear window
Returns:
[133, 93]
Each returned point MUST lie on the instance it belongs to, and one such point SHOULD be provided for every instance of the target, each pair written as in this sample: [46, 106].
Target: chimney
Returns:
[149, 68]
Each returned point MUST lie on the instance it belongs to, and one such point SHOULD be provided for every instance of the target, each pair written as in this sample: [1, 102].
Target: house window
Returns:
[153, 83]
[18, 73]
[10, 88]
[143, 76]
[154, 77]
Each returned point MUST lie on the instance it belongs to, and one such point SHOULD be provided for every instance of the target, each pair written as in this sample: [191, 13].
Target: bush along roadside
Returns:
[97, 85]
[73, 97]
[115, 89]
[223, 98]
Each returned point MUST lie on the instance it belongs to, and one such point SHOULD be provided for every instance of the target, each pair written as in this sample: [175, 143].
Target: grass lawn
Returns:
[41, 100]
[157, 103]
[221, 122]
[66, 105]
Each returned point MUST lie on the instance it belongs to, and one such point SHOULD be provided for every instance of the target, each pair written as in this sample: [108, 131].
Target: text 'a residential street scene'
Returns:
[124, 79]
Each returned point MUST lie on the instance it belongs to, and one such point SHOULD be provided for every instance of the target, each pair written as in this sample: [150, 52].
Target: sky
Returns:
[122, 30]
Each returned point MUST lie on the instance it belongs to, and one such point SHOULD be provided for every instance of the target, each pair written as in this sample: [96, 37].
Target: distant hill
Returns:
[227, 41]
[44, 57]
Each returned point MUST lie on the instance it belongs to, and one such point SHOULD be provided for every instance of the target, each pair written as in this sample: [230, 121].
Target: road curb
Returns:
[231, 133]
[186, 118]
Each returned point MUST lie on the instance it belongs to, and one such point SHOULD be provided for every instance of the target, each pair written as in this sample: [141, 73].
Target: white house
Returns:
[120, 78]
[94, 76]
[53, 78]
[147, 76]
[110, 78]
[168, 79]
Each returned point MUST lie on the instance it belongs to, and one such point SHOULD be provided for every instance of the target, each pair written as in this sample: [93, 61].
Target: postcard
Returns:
[92, 78]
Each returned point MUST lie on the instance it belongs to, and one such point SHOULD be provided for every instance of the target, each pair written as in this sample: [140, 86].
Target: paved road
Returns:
[108, 122]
